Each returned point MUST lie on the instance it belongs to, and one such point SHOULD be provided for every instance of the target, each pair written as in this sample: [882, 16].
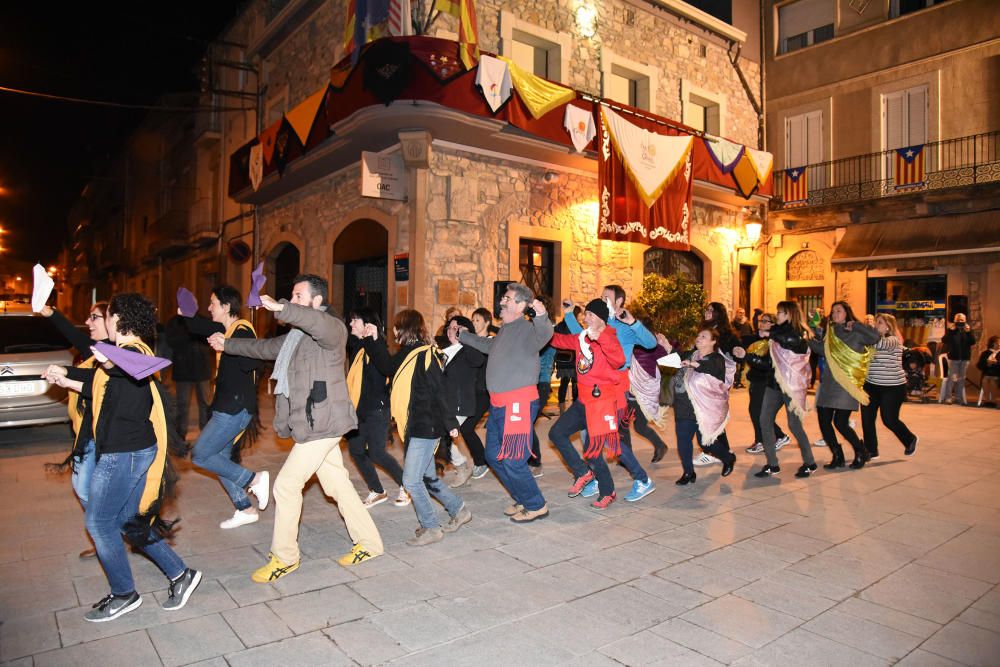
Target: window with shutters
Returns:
[804, 23]
[804, 146]
[904, 121]
[533, 48]
[702, 109]
[627, 81]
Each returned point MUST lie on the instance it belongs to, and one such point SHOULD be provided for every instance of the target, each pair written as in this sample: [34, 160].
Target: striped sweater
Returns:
[886, 368]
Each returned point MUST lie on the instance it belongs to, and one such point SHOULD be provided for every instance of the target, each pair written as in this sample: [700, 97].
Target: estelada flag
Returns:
[468, 31]
[796, 186]
[910, 167]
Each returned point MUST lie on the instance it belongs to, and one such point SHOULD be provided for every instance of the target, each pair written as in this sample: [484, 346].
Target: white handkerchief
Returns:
[42, 289]
[580, 125]
[672, 360]
[493, 77]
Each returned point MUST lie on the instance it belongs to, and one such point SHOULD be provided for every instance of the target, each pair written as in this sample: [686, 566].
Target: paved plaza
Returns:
[898, 563]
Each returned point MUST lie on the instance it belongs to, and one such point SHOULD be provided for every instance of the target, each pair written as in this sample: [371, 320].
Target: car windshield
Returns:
[29, 334]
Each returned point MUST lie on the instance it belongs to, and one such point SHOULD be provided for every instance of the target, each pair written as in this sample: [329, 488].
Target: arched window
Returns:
[669, 262]
[804, 265]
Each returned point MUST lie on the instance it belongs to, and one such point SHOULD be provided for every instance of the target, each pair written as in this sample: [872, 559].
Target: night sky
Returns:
[128, 53]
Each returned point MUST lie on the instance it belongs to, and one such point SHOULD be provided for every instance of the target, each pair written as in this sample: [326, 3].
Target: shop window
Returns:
[804, 23]
[674, 262]
[537, 265]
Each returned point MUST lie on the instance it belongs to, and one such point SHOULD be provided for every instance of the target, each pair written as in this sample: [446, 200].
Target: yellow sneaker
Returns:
[357, 554]
[273, 571]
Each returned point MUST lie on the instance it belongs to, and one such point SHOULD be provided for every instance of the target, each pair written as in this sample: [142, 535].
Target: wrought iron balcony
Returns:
[949, 163]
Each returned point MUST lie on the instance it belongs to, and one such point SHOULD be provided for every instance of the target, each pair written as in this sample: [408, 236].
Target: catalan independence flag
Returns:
[796, 186]
[468, 31]
[910, 171]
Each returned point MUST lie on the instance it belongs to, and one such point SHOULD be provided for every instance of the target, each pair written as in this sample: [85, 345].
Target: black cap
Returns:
[599, 308]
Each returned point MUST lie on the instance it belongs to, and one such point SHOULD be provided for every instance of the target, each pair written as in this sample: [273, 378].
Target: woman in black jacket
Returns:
[463, 365]
[418, 405]
[368, 385]
[759, 374]
[717, 319]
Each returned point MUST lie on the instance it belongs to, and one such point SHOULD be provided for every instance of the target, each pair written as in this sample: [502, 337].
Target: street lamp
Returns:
[752, 225]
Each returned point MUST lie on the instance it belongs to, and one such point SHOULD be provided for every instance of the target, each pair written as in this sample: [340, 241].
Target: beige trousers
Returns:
[323, 459]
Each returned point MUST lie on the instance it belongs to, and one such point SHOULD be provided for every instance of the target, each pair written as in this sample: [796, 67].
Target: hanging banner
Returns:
[301, 118]
[256, 166]
[493, 79]
[762, 162]
[723, 152]
[539, 95]
[579, 123]
[623, 214]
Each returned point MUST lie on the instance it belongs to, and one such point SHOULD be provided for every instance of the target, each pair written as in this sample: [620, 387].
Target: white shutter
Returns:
[814, 148]
[916, 114]
[798, 17]
[894, 120]
[795, 142]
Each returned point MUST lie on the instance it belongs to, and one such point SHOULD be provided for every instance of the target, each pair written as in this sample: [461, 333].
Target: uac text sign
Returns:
[383, 176]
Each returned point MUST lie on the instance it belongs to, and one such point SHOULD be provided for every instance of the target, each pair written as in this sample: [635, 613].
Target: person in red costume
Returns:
[600, 409]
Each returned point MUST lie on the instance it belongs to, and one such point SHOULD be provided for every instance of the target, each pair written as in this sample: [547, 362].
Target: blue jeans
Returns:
[213, 452]
[83, 470]
[115, 490]
[420, 477]
[513, 472]
[572, 421]
[686, 430]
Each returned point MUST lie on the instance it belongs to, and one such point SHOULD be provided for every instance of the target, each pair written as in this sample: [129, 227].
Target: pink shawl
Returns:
[710, 399]
[792, 371]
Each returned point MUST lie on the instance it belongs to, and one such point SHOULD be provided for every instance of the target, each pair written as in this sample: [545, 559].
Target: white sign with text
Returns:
[383, 176]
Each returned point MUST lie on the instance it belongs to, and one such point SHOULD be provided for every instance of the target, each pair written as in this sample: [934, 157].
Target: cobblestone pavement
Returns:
[896, 563]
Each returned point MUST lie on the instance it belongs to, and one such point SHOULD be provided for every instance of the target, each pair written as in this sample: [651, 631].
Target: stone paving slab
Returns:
[896, 563]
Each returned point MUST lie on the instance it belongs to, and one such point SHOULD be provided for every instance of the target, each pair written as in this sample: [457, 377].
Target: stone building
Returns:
[486, 204]
[847, 84]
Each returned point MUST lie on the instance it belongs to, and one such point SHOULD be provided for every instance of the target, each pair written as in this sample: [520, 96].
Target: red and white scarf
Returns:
[517, 424]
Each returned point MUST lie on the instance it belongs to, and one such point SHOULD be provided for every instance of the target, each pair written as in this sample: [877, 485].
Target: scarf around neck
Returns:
[280, 372]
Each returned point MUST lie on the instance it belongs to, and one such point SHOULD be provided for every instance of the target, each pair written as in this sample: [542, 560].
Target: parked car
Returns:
[28, 344]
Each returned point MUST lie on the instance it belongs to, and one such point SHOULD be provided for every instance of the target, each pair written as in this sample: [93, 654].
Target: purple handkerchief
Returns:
[257, 281]
[186, 302]
[136, 364]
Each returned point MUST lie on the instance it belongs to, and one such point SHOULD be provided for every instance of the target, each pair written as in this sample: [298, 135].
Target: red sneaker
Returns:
[603, 502]
[580, 482]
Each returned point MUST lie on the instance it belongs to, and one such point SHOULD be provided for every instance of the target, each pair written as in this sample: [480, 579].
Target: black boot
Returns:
[860, 456]
[659, 453]
[838, 457]
[687, 478]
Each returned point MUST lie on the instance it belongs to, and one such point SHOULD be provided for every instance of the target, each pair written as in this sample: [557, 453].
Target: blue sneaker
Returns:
[640, 490]
[590, 489]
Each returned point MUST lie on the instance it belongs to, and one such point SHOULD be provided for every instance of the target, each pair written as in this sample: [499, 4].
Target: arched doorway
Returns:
[284, 264]
[669, 262]
[361, 268]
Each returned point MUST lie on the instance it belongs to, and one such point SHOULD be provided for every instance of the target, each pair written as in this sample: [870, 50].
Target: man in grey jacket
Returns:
[512, 380]
[313, 407]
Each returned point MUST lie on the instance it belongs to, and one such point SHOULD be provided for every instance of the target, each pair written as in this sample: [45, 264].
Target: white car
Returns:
[28, 344]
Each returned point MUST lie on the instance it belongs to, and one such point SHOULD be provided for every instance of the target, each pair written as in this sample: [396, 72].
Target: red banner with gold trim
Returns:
[622, 214]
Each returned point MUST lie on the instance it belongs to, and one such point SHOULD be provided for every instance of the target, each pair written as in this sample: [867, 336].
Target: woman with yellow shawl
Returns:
[847, 346]
[130, 437]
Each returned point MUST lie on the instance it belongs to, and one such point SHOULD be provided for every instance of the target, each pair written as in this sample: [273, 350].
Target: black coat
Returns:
[460, 379]
[959, 344]
[189, 353]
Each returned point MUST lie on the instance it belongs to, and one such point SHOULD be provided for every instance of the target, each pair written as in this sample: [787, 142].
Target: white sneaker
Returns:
[240, 518]
[819, 443]
[755, 448]
[262, 489]
[781, 442]
[374, 499]
[706, 460]
[851, 423]
[403, 499]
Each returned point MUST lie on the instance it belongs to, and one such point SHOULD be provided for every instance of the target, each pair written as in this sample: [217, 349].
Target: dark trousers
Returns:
[571, 422]
[367, 446]
[564, 384]
[468, 430]
[184, 390]
[643, 428]
[544, 391]
[830, 418]
[686, 430]
[757, 391]
[888, 400]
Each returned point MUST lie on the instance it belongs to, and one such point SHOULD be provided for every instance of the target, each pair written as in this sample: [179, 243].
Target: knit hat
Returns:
[599, 308]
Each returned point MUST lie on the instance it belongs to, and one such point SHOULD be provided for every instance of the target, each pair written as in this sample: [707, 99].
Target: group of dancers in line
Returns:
[122, 474]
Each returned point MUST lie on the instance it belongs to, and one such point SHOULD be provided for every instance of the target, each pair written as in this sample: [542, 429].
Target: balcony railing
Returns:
[947, 164]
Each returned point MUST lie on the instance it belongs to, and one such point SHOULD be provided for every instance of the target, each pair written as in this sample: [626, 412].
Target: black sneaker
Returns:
[806, 470]
[768, 471]
[112, 606]
[181, 589]
[912, 447]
